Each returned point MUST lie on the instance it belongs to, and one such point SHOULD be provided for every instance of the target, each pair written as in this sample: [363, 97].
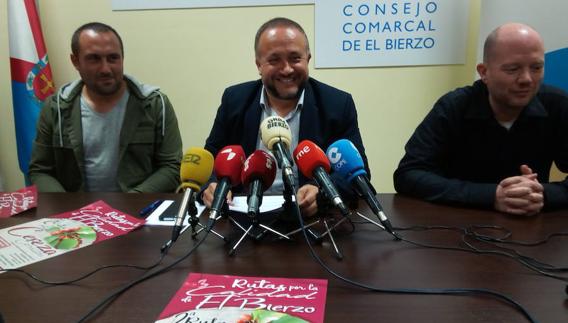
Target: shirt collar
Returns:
[268, 110]
[482, 109]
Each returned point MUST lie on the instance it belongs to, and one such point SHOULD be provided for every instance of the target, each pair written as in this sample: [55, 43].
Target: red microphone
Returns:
[259, 171]
[313, 163]
[228, 166]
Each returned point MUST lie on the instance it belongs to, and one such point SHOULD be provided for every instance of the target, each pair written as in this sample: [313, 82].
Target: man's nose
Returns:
[105, 66]
[287, 68]
[525, 76]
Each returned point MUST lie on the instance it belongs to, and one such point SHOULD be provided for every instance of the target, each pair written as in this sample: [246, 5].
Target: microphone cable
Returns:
[71, 281]
[412, 291]
[135, 282]
[470, 235]
[163, 254]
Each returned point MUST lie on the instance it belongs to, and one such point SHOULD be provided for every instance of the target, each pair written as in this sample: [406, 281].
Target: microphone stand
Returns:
[193, 223]
[323, 219]
[289, 209]
[288, 204]
[254, 202]
[255, 224]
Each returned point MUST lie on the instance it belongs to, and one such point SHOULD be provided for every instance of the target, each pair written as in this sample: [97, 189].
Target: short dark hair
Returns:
[98, 27]
[279, 22]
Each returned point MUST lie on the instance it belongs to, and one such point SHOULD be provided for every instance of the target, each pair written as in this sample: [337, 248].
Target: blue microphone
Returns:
[346, 161]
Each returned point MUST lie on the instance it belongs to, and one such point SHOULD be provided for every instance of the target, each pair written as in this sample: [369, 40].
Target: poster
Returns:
[27, 243]
[12, 203]
[226, 298]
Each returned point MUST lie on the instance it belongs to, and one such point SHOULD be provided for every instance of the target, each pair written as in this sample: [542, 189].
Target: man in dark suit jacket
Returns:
[315, 111]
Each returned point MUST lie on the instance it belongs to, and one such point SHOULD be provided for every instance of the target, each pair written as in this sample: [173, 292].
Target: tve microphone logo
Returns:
[302, 152]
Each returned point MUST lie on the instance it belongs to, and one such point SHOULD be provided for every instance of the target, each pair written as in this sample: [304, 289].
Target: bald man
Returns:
[314, 111]
[492, 144]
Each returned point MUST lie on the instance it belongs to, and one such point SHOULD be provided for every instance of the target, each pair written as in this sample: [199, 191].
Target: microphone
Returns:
[196, 167]
[313, 163]
[276, 136]
[228, 166]
[259, 171]
[347, 162]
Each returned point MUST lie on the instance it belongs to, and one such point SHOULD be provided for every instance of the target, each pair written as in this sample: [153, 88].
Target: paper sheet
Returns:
[239, 204]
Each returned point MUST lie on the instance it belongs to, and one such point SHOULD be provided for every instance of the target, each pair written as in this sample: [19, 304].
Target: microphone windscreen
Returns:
[196, 167]
[308, 156]
[229, 163]
[345, 159]
[274, 129]
[259, 165]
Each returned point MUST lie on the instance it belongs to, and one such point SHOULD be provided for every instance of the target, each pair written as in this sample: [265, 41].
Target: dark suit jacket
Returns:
[328, 115]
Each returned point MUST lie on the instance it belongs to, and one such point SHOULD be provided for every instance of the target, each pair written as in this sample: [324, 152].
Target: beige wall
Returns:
[194, 54]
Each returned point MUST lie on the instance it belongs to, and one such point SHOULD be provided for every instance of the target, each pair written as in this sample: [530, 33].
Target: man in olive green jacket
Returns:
[105, 132]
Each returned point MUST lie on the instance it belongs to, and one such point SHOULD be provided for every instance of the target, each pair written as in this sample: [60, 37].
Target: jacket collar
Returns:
[481, 109]
[68, 92]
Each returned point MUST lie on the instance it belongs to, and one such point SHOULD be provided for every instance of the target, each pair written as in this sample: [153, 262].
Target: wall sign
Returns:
[169, 4]
[390, 33]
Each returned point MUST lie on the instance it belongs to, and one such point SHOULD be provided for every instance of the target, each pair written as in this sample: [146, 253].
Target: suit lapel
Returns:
[309, 116]
[252, 124]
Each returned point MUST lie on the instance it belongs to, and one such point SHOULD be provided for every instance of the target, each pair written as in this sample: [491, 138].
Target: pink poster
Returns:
[239, 299]
[18, 201]
[27, 243]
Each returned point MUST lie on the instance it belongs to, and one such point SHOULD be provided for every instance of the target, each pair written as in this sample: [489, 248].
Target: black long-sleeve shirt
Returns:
[460, 153]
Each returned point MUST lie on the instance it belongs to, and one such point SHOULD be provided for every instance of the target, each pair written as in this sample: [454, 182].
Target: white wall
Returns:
[193, 54]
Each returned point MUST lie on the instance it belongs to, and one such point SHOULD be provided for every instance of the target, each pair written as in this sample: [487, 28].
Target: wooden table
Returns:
[371, 257]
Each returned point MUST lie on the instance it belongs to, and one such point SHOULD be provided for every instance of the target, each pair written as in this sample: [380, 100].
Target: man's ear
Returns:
[74, 60]
[258, 66]
[482, 71]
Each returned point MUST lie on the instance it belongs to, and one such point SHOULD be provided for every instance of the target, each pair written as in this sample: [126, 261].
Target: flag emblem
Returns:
[38, 81]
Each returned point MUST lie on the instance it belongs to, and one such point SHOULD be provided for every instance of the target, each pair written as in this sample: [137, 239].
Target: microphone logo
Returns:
[276, 122]
[269, 162]
[334, 155]
[246, 165]
[191, 158]
[304, 150]
[229, 152]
